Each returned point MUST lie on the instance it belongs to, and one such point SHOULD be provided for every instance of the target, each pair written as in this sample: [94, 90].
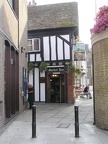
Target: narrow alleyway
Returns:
[55, 124]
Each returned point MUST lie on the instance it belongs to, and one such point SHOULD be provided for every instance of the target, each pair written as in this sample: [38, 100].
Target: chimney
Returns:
[33, 2]
[29, 3]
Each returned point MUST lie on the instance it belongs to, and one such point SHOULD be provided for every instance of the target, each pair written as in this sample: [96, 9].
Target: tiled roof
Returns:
[53, 16]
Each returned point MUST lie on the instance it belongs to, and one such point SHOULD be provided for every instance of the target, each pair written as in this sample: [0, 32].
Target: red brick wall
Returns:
[71, 88]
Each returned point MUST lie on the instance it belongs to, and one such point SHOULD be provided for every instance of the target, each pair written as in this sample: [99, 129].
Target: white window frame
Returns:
[33, 44]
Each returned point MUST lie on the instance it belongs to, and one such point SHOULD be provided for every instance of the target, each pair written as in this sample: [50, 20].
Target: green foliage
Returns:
[43, 66]
[30, 67]
[73, 69]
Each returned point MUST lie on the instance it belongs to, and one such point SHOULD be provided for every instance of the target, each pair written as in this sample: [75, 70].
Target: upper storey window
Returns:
[34, 44]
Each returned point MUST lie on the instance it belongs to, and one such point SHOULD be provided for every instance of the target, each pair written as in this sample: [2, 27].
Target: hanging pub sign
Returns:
[79, 47]
[79, 52]
[79, 55]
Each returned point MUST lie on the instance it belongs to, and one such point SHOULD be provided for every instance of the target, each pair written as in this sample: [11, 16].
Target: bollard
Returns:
[33, 121]
[76, 121]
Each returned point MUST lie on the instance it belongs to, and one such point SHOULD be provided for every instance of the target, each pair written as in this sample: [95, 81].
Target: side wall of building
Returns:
[10, 23]
[22, 45]
[100, 81]
[13, 29]
[8, 31]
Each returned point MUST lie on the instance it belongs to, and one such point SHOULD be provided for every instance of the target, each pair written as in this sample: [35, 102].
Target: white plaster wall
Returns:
[42, 92]
[65, 37]
[53, 48]
[60, 48]
[67, 51]
[36, 84]
[46, 48]
[42, 74]
[31, 78]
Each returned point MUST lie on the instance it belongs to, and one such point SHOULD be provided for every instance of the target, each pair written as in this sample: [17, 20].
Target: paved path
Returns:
[55, 125]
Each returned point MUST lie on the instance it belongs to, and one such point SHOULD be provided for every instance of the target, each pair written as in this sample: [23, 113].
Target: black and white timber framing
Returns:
[56, 50]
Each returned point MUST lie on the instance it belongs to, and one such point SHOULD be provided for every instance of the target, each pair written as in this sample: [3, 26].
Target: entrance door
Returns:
[55, 88]
[56, 92]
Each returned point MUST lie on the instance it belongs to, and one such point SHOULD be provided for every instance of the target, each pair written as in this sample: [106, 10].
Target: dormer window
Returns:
[34, 44]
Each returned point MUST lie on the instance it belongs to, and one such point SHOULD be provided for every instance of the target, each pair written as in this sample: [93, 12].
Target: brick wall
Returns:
[71, 88]
[100, 52]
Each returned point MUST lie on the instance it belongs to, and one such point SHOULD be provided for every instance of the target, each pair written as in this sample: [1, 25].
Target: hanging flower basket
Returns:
[30, 67]
[73, 69]
[101, 20]
[43, 66]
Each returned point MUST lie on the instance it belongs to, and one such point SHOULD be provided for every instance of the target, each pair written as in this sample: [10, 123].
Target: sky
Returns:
[87, 10]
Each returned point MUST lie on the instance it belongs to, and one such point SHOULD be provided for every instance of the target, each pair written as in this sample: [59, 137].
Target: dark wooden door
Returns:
[11, 81]
[7, 74]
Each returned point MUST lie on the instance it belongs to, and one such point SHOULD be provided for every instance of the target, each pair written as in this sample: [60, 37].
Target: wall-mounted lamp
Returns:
[22, 49]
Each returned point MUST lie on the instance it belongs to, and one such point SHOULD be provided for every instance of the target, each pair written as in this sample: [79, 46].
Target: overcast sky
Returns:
[87, 10]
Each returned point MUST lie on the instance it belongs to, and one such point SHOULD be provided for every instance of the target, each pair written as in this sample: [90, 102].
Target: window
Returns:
[34, 44]
[29, 44]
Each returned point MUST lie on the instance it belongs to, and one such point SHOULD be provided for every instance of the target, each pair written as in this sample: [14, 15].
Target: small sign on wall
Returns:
[42, 79]
[60, 69]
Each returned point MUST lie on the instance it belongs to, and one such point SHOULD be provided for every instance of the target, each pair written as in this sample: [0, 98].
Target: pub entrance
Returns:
[56, 88]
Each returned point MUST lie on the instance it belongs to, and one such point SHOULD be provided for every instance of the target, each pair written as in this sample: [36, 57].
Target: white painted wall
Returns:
[31, 78]
[60, 48]
[42, 88]
[53, 46]
[42, 92]
[65, 37]
[42, 74]
[46, 48]
[67, 51]
[36, 84]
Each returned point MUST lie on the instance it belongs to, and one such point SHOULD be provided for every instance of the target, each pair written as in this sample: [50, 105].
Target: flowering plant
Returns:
[101, 20]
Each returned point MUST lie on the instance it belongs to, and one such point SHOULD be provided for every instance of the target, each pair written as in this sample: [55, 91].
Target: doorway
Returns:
[56, 88]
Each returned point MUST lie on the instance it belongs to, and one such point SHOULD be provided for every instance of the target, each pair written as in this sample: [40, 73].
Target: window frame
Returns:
[32, 44]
